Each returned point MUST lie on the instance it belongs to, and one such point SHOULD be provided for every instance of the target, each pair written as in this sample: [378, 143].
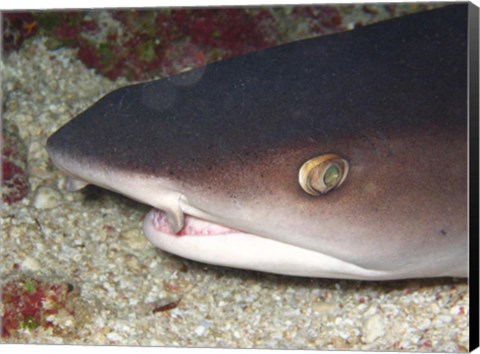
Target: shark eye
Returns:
[323, 173]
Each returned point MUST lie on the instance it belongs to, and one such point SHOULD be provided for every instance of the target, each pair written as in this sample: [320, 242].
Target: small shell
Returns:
[323, 173]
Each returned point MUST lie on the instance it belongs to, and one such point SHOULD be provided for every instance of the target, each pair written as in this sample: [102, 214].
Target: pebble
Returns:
[200, 330]
[115, 337]
[458, 310]
[373, 328]
[340, 343]
[31, 264]
[323, 307]
[46, 198]
[133, 264]
[134, 239]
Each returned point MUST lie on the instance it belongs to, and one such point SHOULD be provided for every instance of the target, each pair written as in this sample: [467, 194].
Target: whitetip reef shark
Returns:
[342, 156]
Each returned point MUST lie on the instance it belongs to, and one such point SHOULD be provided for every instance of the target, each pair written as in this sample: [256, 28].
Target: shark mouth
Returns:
[211, 243]
[192, 226]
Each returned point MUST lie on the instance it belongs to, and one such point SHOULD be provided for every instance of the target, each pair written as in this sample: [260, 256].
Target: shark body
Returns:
[217, 152]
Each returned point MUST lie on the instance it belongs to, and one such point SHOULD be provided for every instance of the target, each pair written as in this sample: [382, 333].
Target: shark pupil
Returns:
[331, 175]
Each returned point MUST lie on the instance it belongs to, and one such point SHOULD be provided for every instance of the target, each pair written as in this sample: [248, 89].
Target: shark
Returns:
[340, 156]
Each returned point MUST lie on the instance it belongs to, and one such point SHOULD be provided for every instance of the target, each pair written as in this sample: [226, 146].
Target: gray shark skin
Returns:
[223, 145]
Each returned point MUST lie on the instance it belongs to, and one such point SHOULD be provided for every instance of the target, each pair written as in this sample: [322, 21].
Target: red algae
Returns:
[27, 303]
[16, 28]
[142, 44]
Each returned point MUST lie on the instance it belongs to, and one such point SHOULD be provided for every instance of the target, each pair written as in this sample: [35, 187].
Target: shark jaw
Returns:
[215, 244]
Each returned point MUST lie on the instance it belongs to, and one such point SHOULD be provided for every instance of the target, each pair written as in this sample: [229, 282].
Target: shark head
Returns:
[328, 157]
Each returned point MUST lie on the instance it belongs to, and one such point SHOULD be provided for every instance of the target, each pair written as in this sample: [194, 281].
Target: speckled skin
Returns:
[391, 98]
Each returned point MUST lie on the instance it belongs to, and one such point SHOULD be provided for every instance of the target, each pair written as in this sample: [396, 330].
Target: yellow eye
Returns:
[323, 173]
